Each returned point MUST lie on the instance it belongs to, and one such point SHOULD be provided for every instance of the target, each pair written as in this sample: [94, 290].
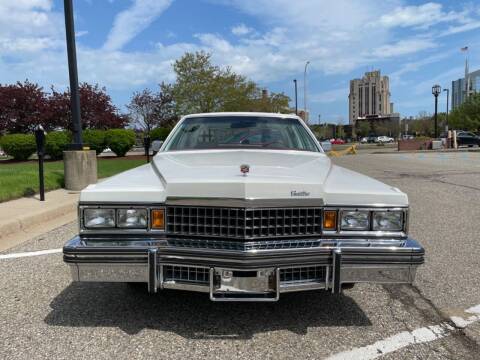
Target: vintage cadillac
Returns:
[244, 207]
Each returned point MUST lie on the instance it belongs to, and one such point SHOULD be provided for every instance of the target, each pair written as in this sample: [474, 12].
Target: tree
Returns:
[22, 107]
[151, 110]
[467, 115]
[96, 109]
[204, 87]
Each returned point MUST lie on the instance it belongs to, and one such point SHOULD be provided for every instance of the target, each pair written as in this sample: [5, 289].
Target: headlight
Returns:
[132, 218]
[355, 220]
[388, 220]
[99, 218]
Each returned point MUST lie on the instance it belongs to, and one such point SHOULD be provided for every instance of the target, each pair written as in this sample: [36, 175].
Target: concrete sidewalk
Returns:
[25, 218]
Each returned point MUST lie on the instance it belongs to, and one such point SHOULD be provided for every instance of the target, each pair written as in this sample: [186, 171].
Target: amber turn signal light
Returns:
[158, 219]
[329, 219]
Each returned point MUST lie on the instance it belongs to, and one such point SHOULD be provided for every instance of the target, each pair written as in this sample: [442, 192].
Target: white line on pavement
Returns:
[31, 253]
[406, 338]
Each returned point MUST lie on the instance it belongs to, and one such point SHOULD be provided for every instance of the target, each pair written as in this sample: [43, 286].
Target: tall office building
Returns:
[368, 96]
[462, 88]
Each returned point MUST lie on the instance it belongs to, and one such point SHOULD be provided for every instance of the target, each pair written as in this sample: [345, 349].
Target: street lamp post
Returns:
[296, 97]
[73, 74]
[446, 116]
[436, 90]
[305, 91]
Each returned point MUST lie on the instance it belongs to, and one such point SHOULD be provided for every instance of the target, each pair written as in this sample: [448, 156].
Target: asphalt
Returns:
[44, 315]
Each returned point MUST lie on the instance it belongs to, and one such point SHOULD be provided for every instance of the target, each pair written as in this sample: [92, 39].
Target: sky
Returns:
[129, 45]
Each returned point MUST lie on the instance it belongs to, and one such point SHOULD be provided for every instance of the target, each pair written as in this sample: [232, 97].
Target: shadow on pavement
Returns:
[194, 316]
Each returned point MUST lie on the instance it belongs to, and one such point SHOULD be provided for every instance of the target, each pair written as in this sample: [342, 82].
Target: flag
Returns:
[464, 48]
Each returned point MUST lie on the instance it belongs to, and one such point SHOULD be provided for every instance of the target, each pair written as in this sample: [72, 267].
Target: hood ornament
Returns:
[245, 169]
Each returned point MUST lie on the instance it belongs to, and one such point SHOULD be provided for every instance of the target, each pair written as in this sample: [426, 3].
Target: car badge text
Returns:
[245, 169]
[299, 193]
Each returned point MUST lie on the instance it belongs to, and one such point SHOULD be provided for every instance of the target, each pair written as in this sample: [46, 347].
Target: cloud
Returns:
[403, 47]
[241, 30]
[129, 23]
[330, 96]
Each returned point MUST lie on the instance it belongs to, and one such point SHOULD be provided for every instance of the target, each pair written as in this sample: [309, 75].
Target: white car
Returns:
[385, 139]
[243, 207]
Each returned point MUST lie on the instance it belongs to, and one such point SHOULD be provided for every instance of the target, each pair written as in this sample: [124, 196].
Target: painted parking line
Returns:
[30, 253]
[406, 338]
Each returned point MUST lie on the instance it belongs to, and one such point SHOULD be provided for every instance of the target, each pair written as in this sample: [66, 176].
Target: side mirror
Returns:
[156, 145]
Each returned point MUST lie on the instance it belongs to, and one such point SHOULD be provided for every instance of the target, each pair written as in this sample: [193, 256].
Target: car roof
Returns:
[259, 114]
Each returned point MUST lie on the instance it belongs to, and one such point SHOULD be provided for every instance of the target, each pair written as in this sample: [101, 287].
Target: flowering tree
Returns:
[96, 109]
[22, 107]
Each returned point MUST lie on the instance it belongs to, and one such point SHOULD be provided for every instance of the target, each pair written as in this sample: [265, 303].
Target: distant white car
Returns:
[384, 139]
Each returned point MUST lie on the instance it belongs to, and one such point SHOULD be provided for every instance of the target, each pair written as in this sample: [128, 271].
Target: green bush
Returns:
[95, 139]
[19, 146]
[120, 140]
[56, 142]
[160, 133]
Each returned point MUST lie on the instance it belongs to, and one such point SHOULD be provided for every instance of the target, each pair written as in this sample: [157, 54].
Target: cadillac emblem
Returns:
[244, 168]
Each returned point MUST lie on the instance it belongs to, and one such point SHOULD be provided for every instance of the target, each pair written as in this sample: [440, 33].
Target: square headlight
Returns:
[132, 218]
[388, 220]
[99, 218]
[355, 220]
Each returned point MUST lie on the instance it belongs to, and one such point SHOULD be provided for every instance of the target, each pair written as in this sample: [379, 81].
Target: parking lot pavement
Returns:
[44, 315]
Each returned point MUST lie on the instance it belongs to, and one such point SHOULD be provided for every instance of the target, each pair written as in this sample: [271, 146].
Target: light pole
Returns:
[446, 115]
[305, 91]
[73, 74]
[436, 90]
[296, 97]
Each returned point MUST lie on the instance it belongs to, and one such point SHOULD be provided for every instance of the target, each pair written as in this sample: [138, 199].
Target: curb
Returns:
[25, 222]
[20, 215]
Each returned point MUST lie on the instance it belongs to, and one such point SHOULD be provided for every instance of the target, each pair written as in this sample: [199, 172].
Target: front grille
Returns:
[186, 274]
[303, 274]
[243, 223]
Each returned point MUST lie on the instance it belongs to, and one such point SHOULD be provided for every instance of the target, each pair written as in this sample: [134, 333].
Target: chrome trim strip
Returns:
[337, 264]
[241, 202]
[152, 271]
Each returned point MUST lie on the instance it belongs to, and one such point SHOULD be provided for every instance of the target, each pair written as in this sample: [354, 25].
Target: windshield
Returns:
[217, 132]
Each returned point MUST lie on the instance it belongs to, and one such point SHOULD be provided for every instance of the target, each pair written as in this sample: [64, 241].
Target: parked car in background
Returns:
[364, 140]
[369, 139]
[385, 139]
[467, 138]
[408, 137]
[337, 141]
[242, 221]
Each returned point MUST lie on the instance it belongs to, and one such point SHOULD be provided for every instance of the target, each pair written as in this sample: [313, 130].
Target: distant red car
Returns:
[337, 141]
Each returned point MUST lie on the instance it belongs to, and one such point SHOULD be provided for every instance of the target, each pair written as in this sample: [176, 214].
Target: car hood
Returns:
[273, 174]
[216, 173]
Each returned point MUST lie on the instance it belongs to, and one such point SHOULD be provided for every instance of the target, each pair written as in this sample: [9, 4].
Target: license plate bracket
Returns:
[244, 285]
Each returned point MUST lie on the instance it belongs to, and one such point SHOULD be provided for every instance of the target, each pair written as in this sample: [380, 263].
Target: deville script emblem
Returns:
[299, 193]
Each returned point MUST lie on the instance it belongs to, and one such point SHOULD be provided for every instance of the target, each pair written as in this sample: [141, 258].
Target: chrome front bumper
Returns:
[250, 274]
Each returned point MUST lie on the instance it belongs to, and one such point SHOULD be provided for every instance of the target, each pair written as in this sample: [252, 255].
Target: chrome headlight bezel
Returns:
[371, 231]
[118, 227]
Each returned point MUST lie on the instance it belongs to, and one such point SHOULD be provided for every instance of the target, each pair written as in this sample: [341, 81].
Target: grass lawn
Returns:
[21, 179]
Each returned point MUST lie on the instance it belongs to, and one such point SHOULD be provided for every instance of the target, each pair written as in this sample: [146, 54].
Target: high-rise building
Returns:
[462, 88]
[369, 96]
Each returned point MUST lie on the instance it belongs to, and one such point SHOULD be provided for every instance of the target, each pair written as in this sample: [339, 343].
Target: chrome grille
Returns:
[303, 274]
[187, 274]
[243, 223]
